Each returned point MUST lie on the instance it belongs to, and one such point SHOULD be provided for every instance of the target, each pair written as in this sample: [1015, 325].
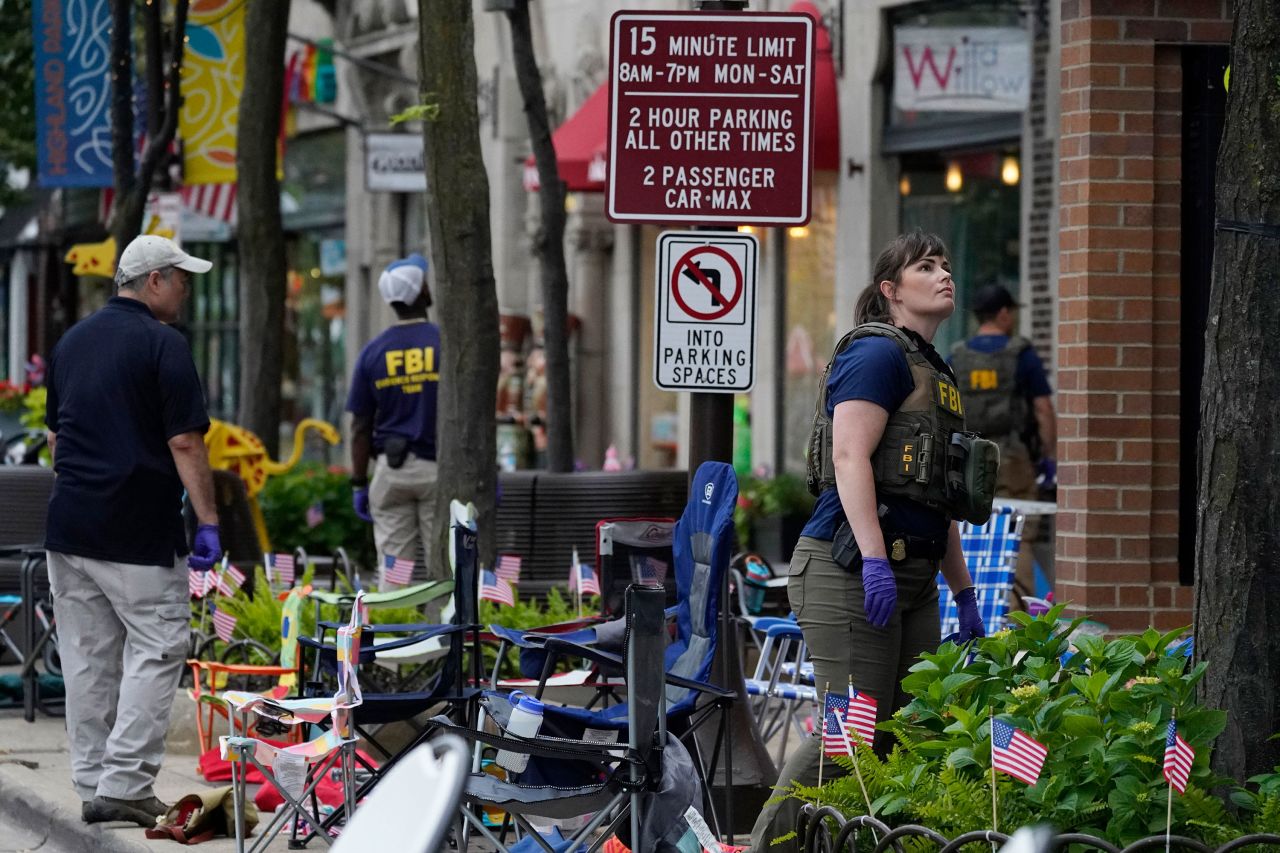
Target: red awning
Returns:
[826, 102]
[581, 147]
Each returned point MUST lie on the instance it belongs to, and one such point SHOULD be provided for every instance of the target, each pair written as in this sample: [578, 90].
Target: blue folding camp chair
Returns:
[702, 548]
[991, 553]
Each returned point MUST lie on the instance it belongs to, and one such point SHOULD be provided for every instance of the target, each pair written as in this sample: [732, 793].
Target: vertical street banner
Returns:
[73, 92]
[212, 77]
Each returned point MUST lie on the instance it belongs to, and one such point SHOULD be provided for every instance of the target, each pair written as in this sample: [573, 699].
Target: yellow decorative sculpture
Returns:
[100, 258]
[93, 258]
[236, 449]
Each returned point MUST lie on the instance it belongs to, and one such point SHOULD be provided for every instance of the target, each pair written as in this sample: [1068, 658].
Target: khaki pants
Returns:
[402, 502]
[122, 638]
[828, 602]
[1017, 479]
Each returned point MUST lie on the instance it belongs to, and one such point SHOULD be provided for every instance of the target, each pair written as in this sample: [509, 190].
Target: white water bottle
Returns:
[526, 719]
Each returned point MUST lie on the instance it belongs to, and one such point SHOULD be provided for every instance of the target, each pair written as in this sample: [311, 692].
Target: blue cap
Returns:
[404, 279]
[413, 260]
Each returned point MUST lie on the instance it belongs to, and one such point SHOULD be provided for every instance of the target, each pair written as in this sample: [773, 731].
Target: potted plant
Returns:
[770, 514]
[1102, 710]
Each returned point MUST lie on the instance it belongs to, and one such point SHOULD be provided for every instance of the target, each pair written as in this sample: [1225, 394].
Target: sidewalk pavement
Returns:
[36, 798]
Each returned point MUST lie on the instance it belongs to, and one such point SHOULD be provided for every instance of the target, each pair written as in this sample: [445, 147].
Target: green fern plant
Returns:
[1101, 707]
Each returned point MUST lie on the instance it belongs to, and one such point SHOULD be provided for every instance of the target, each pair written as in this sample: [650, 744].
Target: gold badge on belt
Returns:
[899, 552]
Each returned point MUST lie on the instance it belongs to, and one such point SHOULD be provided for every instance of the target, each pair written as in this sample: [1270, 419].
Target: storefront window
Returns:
[811, 323]
[659, 419]
[315, 380]
[215, 336]
[971, 200]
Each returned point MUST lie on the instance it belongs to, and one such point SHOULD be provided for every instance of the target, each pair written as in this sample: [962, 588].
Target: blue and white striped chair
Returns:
[780, 699]
[991, 552]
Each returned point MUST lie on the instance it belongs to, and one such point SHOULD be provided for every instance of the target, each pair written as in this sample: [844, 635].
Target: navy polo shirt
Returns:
[875, 369]
[1030, 379]
[121, 384]
[394, 384]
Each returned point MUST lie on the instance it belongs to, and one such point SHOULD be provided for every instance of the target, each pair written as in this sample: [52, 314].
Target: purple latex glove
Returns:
[206, 550]
[971, 626]
[360, 503]
[1048, 469]
[881, 590]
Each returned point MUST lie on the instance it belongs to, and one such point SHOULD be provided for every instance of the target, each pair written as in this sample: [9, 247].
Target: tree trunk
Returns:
[261, 231]
[133, 185]
[548, 244]
[461, 257]
[1237, 621]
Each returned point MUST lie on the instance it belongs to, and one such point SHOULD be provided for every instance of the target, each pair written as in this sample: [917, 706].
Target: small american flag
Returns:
[196, 583]
[223, 624]
[862, 717]
[582, 578]
[280, 567]
[496, 589]
[835, 708]
[650, 570]
[399, 570]
[508, 568]
[1015, 753]
[1178, 756]
[230, 580]
[315, 514]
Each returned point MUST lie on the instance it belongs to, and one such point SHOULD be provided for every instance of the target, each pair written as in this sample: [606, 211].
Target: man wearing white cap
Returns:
[393, 406]
[126, 420]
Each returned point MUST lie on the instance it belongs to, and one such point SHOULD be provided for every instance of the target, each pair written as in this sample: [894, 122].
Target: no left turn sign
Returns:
[705, 322]
[707, 274]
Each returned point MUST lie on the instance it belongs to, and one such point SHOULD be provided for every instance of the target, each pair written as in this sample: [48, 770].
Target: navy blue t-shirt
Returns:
[875, 369]
[121, 384]
[394, 383]
[1030, 379]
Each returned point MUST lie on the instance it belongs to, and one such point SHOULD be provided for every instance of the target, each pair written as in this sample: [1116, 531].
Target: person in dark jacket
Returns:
[126, 421]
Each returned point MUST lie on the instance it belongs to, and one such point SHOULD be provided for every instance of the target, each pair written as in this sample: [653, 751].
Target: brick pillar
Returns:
[1119, 286]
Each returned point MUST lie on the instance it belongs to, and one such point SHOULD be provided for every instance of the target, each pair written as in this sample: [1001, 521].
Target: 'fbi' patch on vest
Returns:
[908, 463]
[983, 380]
[947, 396]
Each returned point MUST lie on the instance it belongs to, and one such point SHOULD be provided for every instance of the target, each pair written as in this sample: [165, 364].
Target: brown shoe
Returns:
[108, 809]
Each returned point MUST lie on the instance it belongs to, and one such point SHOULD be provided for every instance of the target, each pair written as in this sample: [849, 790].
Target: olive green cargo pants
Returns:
[828, 604]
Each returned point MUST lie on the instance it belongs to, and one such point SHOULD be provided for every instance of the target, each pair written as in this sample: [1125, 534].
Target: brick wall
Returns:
[1118, 333]
[1039, 151]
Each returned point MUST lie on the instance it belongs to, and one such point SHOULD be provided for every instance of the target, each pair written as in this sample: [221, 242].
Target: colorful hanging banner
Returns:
[73, 92]
[212, 77]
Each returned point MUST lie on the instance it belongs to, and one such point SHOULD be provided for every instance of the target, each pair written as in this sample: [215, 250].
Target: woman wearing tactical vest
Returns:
[892, 468]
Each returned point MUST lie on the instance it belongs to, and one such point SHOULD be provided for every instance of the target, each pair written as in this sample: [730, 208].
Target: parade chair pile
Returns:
[632, 769]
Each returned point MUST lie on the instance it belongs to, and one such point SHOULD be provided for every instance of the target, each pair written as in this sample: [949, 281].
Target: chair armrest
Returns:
[700, 686]
[366, 652]
[412, 639]
[240, 668]
[602, 754]
[562, 647]
[785, 628]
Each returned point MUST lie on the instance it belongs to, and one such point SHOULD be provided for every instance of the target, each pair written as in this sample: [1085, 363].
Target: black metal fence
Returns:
[815, 829]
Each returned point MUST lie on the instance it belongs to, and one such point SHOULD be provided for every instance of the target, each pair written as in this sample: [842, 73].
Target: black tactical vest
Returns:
[910, 460]
[993, 407]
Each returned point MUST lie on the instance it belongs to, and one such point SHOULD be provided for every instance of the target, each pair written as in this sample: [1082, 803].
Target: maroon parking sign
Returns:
[710, 117]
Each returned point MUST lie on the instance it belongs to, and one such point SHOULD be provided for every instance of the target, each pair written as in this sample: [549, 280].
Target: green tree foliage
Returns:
[17, 95]
[286, 498]
[1102, 711]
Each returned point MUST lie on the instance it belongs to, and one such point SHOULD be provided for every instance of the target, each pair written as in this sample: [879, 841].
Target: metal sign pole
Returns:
[711, 438]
